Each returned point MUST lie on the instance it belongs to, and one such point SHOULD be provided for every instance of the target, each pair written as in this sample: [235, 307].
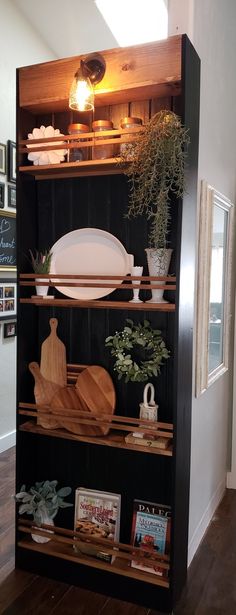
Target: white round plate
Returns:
[89, 251]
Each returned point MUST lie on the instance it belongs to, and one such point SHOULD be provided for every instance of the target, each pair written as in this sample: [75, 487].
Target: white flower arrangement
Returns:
[46, 157]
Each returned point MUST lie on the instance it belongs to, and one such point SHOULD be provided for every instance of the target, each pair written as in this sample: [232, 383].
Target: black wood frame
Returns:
[46, 211]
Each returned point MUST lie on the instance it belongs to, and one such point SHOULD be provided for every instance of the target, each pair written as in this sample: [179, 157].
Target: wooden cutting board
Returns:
[67, 403]
[53, 357]
[43, 393]
[96, 388]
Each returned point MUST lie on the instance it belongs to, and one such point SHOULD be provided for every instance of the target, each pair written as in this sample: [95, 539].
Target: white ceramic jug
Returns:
[148, 409]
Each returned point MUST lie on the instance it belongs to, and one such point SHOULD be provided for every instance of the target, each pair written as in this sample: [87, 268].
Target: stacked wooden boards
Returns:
[93, 392]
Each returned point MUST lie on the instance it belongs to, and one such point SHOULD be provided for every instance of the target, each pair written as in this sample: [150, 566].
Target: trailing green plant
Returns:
[41, 261]
[42, 497]
[156, 170]
[125, 346]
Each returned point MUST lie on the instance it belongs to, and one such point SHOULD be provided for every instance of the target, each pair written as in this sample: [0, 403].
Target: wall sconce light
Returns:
[90, 72]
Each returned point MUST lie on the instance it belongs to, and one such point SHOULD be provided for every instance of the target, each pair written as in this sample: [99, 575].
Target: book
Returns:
[97, 515]
[151, 526]
[159, 442]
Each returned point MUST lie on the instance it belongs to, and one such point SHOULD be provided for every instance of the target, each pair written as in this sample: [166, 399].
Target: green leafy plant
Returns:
[129, 342]
[41, 261]
[156, 170]
[42, 497]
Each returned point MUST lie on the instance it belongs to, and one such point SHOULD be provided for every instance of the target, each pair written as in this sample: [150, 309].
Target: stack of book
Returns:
[97, 517]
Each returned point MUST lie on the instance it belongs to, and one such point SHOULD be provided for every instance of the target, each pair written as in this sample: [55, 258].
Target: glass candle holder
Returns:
[136, 271]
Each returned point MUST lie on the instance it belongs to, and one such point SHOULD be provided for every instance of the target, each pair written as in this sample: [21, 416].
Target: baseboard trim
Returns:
[7, 441]
[231, 479]
[205, 520]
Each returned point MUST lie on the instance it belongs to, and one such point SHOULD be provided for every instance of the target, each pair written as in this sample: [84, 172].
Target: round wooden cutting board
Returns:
[96, 388]
[67, 402]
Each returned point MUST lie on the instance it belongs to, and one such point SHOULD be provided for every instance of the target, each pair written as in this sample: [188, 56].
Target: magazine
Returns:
[97, 514]
[151, 526]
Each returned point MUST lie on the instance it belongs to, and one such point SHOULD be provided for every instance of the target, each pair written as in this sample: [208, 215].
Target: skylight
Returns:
[135, 21]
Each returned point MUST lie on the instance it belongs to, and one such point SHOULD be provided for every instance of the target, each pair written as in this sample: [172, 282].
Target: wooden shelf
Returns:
[62, 543]
[114, 440]
[97, 304]
[109, 166]
[119, 567]
[132, 74]
[125, 282]
[119, 426]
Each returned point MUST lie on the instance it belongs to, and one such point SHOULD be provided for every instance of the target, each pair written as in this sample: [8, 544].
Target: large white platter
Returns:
[89, 251]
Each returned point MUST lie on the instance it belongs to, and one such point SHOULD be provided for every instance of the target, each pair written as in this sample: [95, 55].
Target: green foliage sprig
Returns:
[41, 261]
[42, 497]
[132, 337]
[156, 169]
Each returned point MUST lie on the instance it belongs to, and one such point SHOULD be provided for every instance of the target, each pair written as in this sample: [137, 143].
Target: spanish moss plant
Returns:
[156, 170]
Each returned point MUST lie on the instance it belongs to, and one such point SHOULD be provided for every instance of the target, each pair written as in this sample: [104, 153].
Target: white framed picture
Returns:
[7, 299]
[2, 158]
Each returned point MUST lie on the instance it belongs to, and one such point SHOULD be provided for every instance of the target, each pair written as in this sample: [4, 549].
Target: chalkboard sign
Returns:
[7, 241]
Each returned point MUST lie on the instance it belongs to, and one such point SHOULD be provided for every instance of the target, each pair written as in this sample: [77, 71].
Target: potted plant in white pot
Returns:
[42, 501]
[155, 171]
[41, 262]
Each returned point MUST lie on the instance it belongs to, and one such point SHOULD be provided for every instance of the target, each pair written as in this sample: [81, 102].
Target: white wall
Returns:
[213, 35]
[19, 45]
[214, 39]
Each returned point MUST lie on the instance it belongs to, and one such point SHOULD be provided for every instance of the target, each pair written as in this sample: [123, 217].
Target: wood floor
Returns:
[211, 587]
[7, 508]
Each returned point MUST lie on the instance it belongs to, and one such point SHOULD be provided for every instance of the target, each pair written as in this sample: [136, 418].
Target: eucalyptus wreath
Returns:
[124, 345]
[156, 168]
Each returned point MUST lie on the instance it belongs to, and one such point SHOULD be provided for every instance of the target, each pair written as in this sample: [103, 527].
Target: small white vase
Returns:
[158, 265]
[136, 271]
[48, 521]
[41, 291]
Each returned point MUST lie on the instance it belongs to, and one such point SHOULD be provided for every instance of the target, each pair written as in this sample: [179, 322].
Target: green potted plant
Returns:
[155, 171]
[42, 501]
[41, 262]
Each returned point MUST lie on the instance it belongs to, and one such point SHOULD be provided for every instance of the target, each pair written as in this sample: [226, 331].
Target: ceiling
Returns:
[69, 28]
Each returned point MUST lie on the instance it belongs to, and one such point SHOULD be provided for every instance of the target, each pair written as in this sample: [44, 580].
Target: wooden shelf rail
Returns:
[165, 283]
[100, 281]
[109, 166]
[88, 139]
[67, 544]
[119, 427]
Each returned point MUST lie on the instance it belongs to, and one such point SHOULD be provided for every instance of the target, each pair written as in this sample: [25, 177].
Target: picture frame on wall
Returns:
[2, 159]
[7, 298]
[214, 287]
[9, 329]
[11, 167]
[7, 240]
[11, 196]
[2, 195]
